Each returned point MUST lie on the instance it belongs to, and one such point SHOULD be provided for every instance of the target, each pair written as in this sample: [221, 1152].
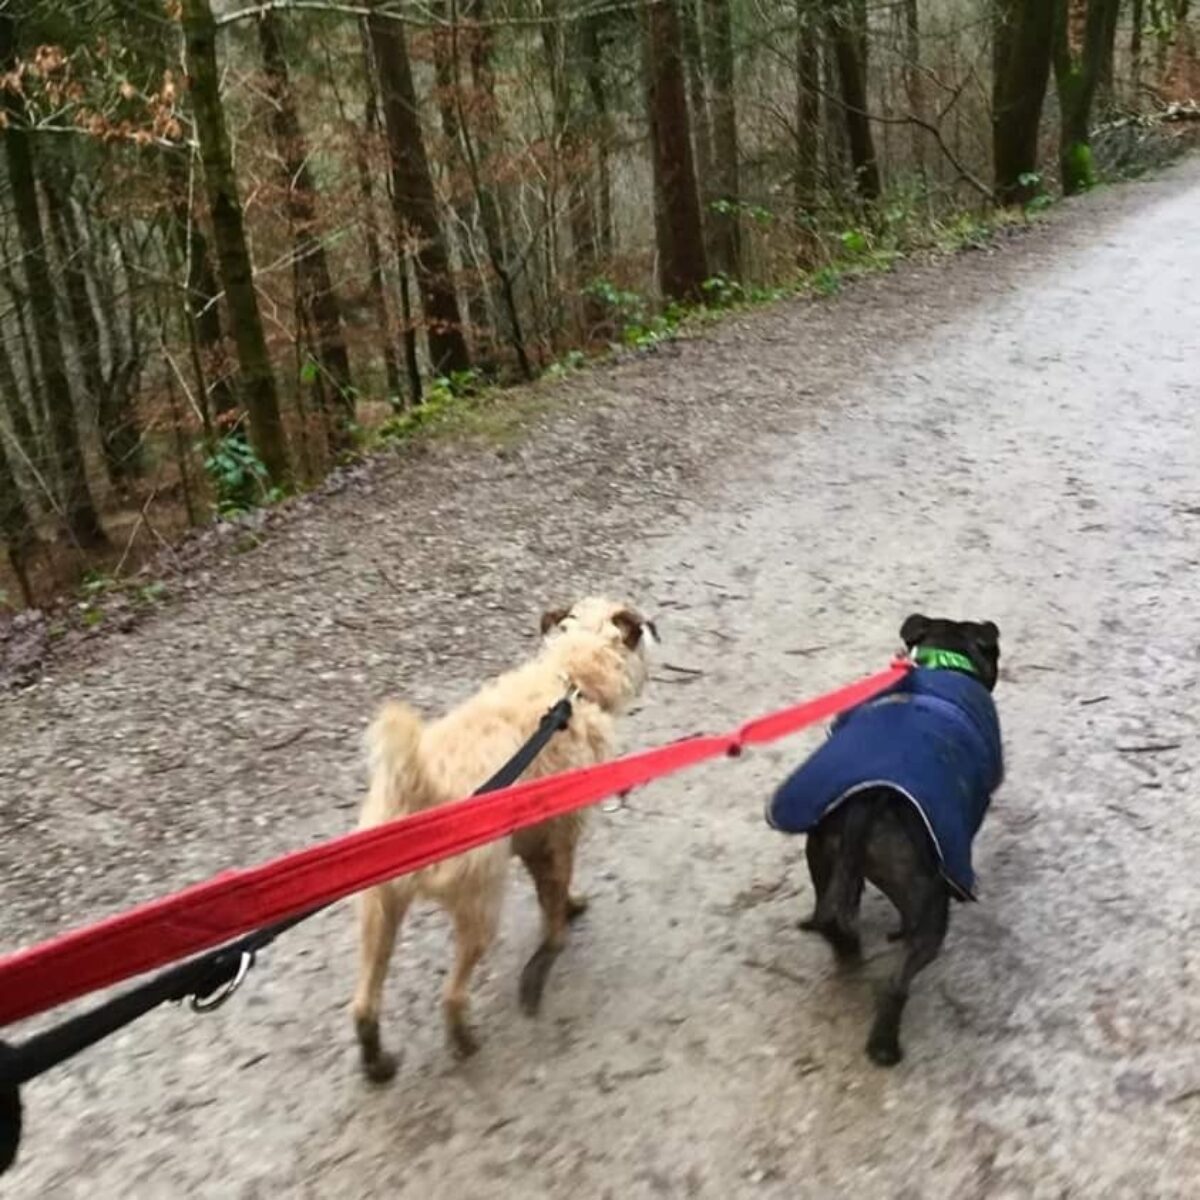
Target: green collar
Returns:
[943, 660]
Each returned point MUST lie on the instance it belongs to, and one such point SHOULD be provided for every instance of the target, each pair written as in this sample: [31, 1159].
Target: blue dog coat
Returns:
[934, 738]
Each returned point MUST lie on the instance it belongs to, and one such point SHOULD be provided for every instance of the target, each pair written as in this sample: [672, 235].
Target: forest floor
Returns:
[1011, 435]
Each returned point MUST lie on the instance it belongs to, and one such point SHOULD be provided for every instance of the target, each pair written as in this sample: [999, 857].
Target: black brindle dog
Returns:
[894, 797]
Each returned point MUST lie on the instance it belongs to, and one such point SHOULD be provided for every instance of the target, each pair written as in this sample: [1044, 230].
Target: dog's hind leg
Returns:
[550, 862]
[835, 856]
[925, 930]
[474, 931]
[381, 910]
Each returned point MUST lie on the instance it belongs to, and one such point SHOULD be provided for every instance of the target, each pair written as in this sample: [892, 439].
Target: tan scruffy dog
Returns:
[597, 647]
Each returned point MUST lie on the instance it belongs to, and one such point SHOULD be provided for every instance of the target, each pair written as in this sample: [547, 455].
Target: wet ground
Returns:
[1013, 436]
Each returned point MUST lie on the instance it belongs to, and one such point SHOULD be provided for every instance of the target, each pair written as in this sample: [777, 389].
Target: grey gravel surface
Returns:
[1011, 435]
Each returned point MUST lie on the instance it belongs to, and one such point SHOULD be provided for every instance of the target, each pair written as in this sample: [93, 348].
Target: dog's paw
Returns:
[382, 1068]
[533, 979]
[463, 1040]
[576, 907]
[884, 1052]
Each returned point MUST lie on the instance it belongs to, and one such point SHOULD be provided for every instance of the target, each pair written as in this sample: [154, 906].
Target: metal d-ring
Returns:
[214, 1000]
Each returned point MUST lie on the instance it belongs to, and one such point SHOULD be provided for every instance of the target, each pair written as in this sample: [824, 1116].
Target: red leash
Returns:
[214, 912]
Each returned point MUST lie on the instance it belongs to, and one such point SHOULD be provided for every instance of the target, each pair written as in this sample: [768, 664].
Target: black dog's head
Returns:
[977, 642]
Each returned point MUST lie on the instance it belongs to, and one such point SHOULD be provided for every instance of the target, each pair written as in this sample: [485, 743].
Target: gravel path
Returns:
[1011, 436]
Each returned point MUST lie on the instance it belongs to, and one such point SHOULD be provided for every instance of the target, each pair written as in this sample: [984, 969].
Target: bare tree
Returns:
[79, 509]
[682, 264]
[1083, 37]
[229, 233]
[16, 523]
[726, 239]
[413, 195]
[1021, 71]
[848, 37]
[808, 115]
[317, 299]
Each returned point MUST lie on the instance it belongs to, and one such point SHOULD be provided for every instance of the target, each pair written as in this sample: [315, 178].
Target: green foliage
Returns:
[827, 281]
[573, 360]
[722, 292]
[1041, 199]
[238, 476]
[966, 231]
[1079, 169]
[637, 327]
[445, 396]
[99, 587]
[856, 242]
[731, 208]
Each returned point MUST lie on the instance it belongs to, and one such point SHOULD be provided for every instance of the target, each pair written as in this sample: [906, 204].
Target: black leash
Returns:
[207, 980]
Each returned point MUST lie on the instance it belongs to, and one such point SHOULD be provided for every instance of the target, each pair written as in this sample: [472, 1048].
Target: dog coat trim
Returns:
[934, 738]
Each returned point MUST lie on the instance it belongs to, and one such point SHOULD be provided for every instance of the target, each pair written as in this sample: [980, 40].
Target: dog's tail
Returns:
[399, 784]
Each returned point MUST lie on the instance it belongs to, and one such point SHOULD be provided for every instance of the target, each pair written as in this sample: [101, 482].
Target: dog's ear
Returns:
[914, 629]
[553, 617]
[632, 627]
[989, 635]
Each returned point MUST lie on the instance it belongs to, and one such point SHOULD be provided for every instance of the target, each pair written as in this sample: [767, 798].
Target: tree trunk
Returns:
[837, 152]
[16, 527]
[202, 309]
[447, 75]
[1021, 61]
[366, 191]
[1083, 36]
[593, 65]
[16, 521]
[79, 510]
[229, 233]
[914, 81]
[413, 196]
[575, 163]
[726, 229]
[682, 264]
[1135, 52]
[36, 414]
[808, 125]
[120, 437]
[848, 36]
[318, 300]
[688, 13]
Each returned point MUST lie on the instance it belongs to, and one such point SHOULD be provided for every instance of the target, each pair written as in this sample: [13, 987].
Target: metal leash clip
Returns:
[214, 999]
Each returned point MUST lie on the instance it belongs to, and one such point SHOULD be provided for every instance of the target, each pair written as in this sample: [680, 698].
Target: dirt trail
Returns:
[1013, 436]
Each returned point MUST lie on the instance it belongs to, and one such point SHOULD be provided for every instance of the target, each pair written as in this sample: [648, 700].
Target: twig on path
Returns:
[775, 969]
[257, 692]
[1094, 700]
[682, 670]
[1137, 822]
[295, 736]
[805, 651]
[387, 579]
[1150, 748]
[134, 531]
[1183, 1097]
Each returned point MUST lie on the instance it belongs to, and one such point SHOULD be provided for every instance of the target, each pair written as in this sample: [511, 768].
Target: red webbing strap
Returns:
[211, 913]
